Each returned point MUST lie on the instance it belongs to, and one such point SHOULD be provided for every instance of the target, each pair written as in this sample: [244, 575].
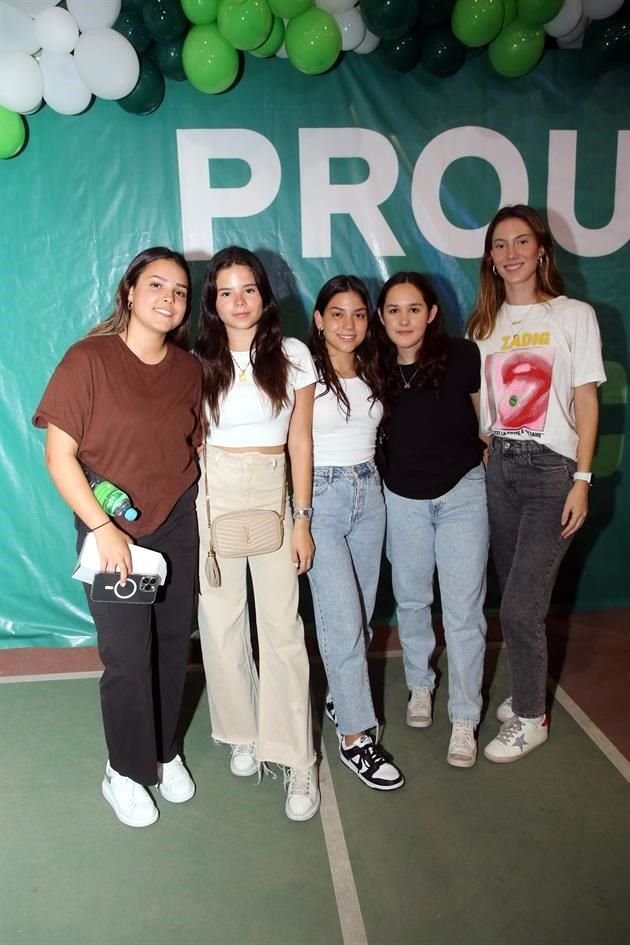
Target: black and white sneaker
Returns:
[370, 763]
[329, 708]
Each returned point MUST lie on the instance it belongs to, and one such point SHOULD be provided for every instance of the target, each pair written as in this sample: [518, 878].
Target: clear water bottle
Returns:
[112, 500]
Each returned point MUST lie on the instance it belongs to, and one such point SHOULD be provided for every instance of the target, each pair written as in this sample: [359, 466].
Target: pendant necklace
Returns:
[407, 383]
[243, 377]
[517, 327]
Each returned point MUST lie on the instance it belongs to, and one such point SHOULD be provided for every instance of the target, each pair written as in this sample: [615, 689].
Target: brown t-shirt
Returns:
[135, 424]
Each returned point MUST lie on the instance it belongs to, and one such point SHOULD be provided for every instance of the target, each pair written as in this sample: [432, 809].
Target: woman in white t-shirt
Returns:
[541, 365]
[258, 390]
[348, 520]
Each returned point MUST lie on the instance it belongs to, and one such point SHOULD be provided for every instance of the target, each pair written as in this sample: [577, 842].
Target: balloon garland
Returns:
[123, 50]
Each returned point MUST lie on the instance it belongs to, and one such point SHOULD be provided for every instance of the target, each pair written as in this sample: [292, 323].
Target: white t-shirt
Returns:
[246, 413]
[345, 441]
[530, 364]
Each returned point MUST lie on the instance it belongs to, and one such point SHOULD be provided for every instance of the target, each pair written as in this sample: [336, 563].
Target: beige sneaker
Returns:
[302, 793]
[505, 710]
[462, 748]
[419, 708]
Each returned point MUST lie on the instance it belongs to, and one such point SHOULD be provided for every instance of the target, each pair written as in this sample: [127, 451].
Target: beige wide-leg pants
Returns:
[270, 707]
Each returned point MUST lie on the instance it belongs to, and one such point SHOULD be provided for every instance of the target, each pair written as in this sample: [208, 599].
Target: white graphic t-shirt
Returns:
[531, 363]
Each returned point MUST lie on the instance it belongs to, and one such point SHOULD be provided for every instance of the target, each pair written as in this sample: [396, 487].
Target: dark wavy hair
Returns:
[364, 356]
[270, 364]
[119, 319]
[491, 296]
[432, 355]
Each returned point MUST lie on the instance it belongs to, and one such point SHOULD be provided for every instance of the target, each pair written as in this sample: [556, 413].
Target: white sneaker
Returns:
[462, 748]
[243, 760]
[132, 803]
[517, 738]
[419, 708]
[176, 785]
[302, 793]
[505, 710]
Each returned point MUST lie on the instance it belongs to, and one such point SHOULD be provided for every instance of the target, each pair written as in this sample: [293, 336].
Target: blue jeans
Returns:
[348, 529]
[527, 487]
[450, 532]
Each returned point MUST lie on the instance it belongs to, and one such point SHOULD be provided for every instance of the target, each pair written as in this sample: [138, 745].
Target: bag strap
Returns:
[283, 497]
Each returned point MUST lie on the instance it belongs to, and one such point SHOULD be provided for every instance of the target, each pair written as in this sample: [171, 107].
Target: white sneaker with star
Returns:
[517, 738]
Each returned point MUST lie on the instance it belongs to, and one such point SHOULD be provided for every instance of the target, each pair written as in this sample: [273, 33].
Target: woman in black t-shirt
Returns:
[435, 493]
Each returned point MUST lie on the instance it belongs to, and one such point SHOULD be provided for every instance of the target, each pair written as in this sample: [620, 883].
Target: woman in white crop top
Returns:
[348, 520]
[541, 365]
[259, 404]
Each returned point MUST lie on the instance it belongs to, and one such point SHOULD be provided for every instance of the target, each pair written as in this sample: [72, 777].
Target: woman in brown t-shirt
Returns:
[125, 401]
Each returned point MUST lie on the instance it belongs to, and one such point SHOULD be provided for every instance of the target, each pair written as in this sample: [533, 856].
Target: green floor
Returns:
[525, 854]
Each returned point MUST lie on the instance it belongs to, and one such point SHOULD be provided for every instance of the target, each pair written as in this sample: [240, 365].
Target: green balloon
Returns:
[131, 25]
[200, 12]
[511, 11]
[389, 19]
[210, 63]
[537, 12]
[273, 42]
[288, 9]
[164, 19]
[168, 59]
[148, 93]
[441, 53]
[435, 13]
[477, 22]
[606, 42]
[517, 49]
[12, 133]
[135, 5]
[245, 24]
[313, 41]
[401, 54]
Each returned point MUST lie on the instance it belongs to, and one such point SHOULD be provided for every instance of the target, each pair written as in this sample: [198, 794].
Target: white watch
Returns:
[583, 477]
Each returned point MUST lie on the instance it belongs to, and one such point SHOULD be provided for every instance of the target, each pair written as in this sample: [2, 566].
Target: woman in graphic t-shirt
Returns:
[126, 402]
[259, 405]
[541, 365]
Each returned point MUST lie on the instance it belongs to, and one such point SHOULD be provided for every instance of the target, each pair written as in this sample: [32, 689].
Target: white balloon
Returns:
[368, 45]
[33, 7]
[16, 29]
[282, 52]
[352, 27]
[56, 30]
[573, 40]
[335, 6]
[601, 9]
[107, 63]
[64, 90]
[94, 14]
[566, 20]
[21, 84]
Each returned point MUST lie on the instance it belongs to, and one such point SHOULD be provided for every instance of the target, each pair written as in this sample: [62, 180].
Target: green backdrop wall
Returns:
[359, 170]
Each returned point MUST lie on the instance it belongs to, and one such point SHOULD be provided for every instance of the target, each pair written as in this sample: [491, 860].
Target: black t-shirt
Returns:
[433, 437]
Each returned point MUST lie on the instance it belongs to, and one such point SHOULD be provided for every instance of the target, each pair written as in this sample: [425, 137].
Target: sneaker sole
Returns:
[392, 786]
[302, 817]
[244, 774]
[461, 762]
[109, 797]
[176, 800]
[418, 723]
[505, 760]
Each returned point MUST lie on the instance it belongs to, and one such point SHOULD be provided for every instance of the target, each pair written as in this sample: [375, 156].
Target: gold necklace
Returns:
[515, 330]
[243, 377]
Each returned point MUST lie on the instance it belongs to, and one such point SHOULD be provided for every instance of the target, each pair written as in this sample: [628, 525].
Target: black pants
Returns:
[144, 649]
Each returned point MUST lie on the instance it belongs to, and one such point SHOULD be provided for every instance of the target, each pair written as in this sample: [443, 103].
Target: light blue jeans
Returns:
[348, 529]
[450, 533]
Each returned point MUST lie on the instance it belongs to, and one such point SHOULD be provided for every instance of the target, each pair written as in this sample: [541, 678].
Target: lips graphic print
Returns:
[525, 379]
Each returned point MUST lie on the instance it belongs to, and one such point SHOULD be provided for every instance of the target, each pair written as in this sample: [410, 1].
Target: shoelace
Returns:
[298, 780]
[509, 729]
[371, 753]
[243, 749]
[420, 699]
[462, 738]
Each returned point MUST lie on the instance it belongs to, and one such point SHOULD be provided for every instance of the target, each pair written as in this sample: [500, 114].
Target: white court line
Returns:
[348, 906]
[588, 726]
[48, 677]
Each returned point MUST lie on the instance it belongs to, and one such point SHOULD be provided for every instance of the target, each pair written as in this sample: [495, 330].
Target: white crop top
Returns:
[247, 417]
[345, 441]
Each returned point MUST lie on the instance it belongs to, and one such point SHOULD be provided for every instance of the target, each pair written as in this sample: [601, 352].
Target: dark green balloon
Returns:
[435, 13]
[606, 42]
[135, 5]
[401, 54]
[442, 54]
[164, 19]
[390, 19]
[273, 42]
[168, 59]
[538, 12]
[149, 91]
[131, 25]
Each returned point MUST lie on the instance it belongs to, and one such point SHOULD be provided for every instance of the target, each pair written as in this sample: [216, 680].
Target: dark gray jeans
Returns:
[527, 487]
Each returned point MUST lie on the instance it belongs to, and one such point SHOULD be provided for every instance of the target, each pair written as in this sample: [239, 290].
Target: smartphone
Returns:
[138, 588]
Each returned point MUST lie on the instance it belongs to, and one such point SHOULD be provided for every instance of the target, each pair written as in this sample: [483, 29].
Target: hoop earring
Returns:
[540, 260]
[129, 304]
[494, 270]
[320, 332]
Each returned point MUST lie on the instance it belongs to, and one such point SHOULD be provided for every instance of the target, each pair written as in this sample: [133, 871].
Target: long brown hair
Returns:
[270, 365]
[549, 282]
[119, 319]
[365, 361]
[432, 354]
